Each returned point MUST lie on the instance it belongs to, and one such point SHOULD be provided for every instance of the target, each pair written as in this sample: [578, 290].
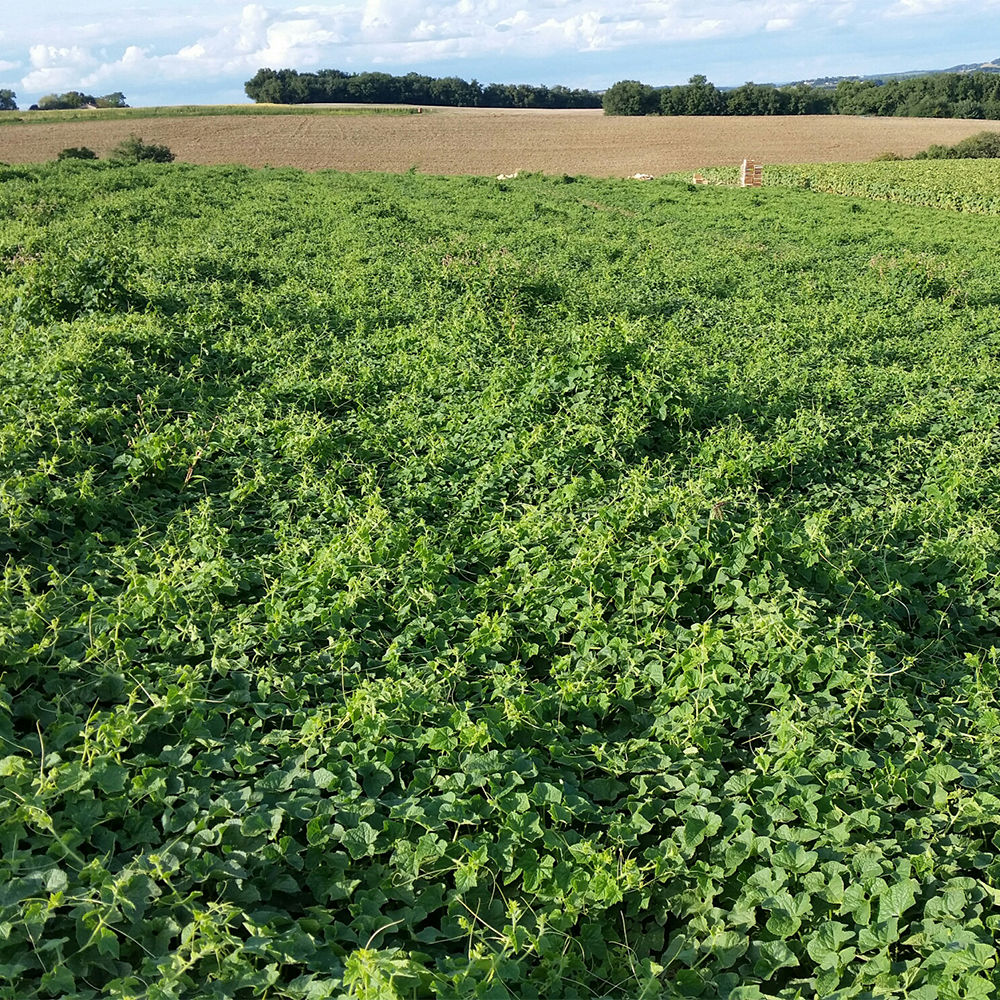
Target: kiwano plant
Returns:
[963, 185]
[427, 587]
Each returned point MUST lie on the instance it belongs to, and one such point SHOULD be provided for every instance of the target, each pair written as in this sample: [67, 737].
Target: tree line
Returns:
[937, 95]
[70, 101]
[333, 86]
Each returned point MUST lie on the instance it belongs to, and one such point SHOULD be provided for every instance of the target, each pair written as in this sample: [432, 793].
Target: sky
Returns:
[193, 51]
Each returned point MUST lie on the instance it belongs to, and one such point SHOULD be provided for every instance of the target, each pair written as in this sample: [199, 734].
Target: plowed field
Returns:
[490, 141]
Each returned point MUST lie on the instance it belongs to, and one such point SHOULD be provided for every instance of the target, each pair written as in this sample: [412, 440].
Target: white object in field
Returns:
[642, 177]
[507, 177]
[751, 174]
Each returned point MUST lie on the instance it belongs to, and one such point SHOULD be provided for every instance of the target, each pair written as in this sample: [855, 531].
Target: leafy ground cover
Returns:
[960, 185]
[435, 587]
[182, 111]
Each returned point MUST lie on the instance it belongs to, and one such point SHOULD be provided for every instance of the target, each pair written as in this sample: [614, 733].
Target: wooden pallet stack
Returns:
[751, 174]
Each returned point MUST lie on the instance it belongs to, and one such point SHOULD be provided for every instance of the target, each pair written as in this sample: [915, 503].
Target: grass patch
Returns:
[186, 111]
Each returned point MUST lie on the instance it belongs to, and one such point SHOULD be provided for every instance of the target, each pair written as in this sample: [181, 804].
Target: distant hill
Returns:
[992, 66]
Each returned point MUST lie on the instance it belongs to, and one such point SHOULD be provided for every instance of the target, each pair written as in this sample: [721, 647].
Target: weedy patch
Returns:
[412, 587]
[963, 185]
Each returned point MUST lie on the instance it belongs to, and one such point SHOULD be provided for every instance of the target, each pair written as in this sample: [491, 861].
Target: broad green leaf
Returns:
[360, 841]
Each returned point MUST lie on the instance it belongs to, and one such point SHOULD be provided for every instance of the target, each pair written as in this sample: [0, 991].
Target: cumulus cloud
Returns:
[364, 32]
[226, 42]
[56, 68]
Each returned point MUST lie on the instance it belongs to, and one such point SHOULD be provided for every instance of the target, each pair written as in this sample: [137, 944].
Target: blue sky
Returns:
[184, 51]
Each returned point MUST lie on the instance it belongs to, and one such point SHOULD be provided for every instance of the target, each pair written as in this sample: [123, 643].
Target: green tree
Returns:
[630, 97]
[283, 86]
[757, 99]
[805, 100]
[8, 100]
[287, 86]
[115, 100]
[70, 101]
[702, 97]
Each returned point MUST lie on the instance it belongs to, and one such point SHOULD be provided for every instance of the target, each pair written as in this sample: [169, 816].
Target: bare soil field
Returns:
[492, 141]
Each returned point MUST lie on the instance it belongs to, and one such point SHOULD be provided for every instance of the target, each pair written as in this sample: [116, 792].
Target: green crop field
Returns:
[961, 185]
[184, 111]
[435, 587]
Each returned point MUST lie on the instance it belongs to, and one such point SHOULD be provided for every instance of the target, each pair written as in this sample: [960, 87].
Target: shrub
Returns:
[134, 150]
[77, 153]
[981, 146]
[935, 152]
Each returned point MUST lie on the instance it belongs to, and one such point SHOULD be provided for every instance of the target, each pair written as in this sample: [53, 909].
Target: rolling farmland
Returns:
[433, 587]
[490, 142]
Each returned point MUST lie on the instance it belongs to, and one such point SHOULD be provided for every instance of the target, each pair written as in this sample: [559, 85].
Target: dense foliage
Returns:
[936, 95]
[288, 86]
[8, 100]
[135, 149]
[981, 146]
[74, 99]
[965, 185]
[77, 153]
[424, 587]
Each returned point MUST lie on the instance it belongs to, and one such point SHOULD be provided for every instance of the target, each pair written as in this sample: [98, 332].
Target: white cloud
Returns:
[363, 32]
[220, 44]
[56, 68]
[924, 8]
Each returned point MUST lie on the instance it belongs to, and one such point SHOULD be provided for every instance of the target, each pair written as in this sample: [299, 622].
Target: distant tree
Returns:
[703, 98]
[523, 95]
[757, 99]
[929, 106]
[331, 86]
[70, 101]
[282, 86]
[133, 150]
[454, 92]
[498, 95]
[697, 97]
[115, 100]
[372, 88]
[968, 109]
[328, 86]
[415, 88]
[805, 100]
[8, 100]
[630, 97]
